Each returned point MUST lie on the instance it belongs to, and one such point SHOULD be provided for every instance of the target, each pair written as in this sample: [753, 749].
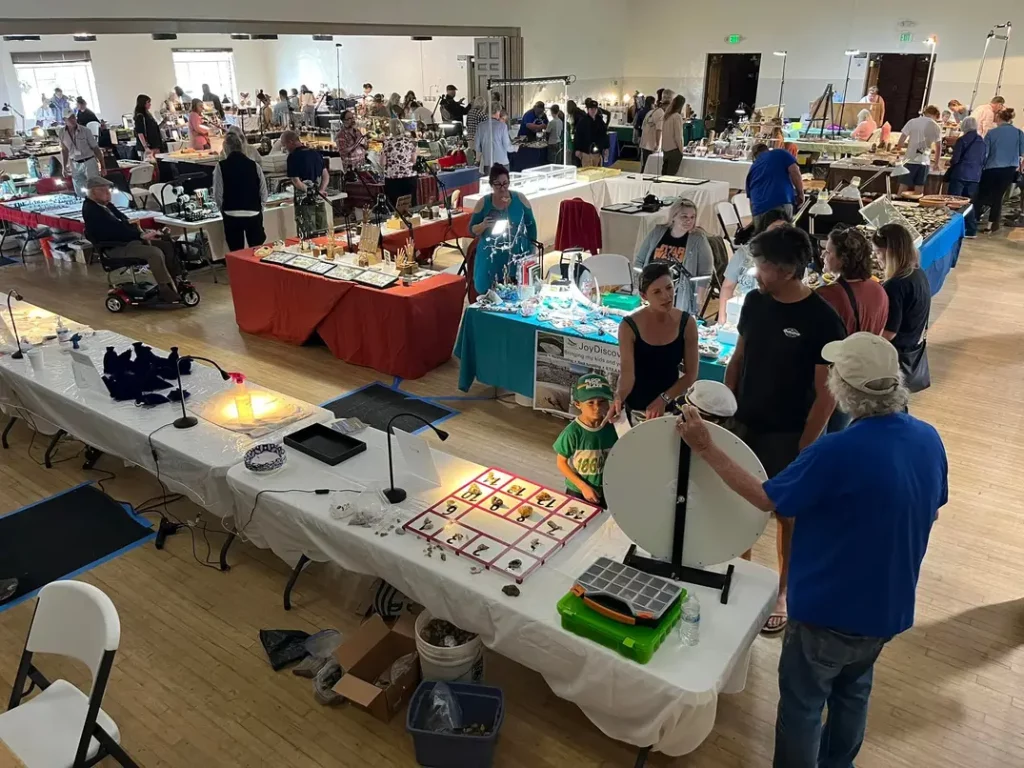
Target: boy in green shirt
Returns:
[583, 446]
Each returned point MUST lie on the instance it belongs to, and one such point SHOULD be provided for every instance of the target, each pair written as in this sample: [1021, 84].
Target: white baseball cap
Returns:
[866, 362]
[712, 398]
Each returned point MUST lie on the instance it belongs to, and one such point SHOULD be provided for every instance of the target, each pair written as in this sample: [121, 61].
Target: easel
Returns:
[674, 569]
[828, 112]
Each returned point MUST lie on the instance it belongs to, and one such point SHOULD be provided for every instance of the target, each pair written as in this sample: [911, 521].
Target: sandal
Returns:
[776, 623]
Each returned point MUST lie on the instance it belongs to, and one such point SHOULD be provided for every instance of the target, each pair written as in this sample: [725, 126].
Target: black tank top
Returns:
[655, 366]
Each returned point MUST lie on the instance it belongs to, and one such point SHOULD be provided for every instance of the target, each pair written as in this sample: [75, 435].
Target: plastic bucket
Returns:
[463, 664]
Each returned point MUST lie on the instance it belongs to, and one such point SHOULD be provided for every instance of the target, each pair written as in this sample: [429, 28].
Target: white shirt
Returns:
[653, 124]
[81, 144]
[554, 131]
[986, 117]
[921, 134]
[423, 115]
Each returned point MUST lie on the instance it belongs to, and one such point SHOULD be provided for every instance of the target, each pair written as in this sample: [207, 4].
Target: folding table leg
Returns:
[641, 757]
[48, 456]
[291, 581]
[224, 552]
[7, 431]
[92, 455]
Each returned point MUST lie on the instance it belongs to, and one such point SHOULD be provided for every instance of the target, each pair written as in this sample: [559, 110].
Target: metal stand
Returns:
[641, 757]
[48, 456]
[674, 569]
[291, 581]
[826, 106]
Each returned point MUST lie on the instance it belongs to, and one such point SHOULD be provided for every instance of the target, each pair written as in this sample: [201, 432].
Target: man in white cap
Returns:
[857, 546]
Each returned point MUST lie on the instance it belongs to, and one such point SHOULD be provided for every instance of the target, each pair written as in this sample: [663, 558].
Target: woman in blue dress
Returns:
[496, 249]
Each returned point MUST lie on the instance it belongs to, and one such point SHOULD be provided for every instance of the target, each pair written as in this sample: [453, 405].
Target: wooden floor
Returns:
[192, 687]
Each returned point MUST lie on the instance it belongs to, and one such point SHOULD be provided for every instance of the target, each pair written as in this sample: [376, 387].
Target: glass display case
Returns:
[516, 181]
[545, 177]
[882, 211]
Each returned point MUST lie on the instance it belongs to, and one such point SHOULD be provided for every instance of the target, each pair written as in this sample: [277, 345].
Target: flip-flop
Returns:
[776, 623]
[7, 588]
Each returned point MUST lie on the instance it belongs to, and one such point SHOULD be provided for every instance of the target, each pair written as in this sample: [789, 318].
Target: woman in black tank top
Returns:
[654, 343]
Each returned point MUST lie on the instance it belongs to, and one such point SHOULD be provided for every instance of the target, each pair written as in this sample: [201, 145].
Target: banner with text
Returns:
[560, 360]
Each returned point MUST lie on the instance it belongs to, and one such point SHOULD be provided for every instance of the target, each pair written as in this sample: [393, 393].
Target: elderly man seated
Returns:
[104, 223]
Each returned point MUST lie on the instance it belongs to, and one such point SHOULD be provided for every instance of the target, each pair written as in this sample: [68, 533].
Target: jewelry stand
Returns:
[674, 568]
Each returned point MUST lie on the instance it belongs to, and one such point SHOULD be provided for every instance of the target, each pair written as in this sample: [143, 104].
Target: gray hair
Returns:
[863, 115]
[232, 143]
[860, 405]
[288, 137]
[969, 124]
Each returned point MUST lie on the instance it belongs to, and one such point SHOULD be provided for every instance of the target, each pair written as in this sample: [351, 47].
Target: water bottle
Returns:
[689, 625]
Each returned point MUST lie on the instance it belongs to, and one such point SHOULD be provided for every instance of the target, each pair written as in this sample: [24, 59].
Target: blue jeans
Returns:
[967, 189]
[820, 666]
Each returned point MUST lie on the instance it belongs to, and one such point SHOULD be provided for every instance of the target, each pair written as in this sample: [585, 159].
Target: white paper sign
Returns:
[85, 373]
[418, 459]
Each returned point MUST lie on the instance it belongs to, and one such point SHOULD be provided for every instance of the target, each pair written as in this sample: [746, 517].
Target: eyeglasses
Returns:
[500, 185]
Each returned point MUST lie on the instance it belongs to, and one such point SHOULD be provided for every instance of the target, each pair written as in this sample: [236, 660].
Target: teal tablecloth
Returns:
[498, 349]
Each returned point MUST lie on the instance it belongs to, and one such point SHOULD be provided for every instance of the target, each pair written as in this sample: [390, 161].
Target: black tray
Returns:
[324, 444]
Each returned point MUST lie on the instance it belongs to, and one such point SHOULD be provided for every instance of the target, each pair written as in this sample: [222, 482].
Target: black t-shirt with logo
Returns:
[781, 347]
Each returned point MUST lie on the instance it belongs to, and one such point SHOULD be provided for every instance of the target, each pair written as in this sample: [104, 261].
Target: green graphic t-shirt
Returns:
[586, 449]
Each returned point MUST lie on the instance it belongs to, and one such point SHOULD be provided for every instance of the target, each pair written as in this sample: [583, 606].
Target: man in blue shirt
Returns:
[857, 548]
[773, 181]
[534, 122]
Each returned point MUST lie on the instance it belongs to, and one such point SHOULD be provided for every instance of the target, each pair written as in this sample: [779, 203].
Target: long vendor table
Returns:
[402, 331]
[668, 704]
[732, 172]
[500, 349]
[940, 252]
[192, 461]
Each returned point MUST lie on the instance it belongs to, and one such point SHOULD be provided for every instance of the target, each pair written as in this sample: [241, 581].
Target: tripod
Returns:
[827, 108]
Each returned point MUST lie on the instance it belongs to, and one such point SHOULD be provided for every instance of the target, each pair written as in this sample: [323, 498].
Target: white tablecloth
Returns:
[732, 172]
[192, 461]
[278, 223]
[669, 703]
[622, 189]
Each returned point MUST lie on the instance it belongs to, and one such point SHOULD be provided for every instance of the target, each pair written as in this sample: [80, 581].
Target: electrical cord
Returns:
[316, 491]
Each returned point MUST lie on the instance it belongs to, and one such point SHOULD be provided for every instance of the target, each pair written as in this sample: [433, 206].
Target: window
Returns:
[216, 68]
[39, 74]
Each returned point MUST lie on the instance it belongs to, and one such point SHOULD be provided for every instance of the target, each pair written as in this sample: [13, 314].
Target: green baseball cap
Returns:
[590, 386]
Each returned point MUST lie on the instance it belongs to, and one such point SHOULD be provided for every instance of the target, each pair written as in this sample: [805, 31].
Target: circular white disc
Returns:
[640, 488]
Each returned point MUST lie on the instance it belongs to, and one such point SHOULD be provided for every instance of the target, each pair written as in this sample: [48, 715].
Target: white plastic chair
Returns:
[742, 204]
[611, 269]
[61, 727]
[728, 219]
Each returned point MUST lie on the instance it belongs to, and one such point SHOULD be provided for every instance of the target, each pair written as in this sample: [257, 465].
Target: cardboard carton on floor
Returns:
[368, 652]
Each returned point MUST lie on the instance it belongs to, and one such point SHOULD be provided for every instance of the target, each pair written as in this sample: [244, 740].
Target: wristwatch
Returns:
[666, 398]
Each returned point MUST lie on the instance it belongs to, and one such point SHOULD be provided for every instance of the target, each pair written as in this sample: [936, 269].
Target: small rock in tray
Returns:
[440, 633]
[511, 590]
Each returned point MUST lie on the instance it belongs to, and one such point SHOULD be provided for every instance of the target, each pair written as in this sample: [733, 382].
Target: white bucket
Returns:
[462, 664]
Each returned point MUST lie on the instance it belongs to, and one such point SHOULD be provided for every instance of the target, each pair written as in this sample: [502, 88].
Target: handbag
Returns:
[914, 365]
[853, 303]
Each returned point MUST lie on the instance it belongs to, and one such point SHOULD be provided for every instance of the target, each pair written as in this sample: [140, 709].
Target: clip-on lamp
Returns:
[393, 494]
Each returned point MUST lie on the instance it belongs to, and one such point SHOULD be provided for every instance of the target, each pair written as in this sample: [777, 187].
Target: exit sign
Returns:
[734, 39]
[906, 37]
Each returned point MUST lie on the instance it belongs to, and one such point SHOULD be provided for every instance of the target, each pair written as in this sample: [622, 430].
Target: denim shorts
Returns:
[917, 177]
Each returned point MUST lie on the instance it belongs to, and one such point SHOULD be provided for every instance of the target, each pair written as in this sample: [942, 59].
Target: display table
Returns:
[427, 235]
[545, 204]
[65, 223]
[624, 233]
[622, 189]
[527, 157]
[839, 147]
[191, 461]
[940, 252]
[401, 331]
[7, 758]
[839, 171]
[499, 349]
[278, 223]
[669, 704]
[732, 172]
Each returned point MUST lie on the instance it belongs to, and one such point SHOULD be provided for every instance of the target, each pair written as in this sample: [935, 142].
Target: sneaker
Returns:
[970, 237]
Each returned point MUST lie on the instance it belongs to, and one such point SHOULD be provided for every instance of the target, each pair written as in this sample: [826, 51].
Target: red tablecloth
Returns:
[430, 234]
[400, 331]
[26, 219]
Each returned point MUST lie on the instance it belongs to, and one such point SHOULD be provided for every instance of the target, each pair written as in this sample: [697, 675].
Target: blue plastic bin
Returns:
[480, 704]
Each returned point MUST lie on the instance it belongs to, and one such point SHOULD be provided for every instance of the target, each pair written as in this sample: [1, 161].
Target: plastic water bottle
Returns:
[689, 625]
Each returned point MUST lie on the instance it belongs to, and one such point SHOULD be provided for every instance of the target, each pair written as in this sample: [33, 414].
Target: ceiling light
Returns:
[21, 38]
[84, 37]
[263, 37]
[164, 36]
[422, 38]
[852, 52]
[239, 36]
[781, 53]
[324, 38]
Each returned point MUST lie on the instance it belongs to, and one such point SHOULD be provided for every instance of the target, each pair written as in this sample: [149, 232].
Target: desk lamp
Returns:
[185, 421]
[397, 495]
[13, 293]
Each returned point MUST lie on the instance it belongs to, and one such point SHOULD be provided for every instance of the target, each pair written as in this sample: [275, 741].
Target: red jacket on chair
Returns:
[579, 226]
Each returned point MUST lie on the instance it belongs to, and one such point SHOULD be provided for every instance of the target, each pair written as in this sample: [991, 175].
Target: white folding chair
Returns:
[140, 175]
[742, 204]
[611, 269]
[728, 219]
[61, 726]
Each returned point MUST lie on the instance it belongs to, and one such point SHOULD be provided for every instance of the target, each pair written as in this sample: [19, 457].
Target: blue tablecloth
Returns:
[939, 253]
[527, 157]
[613, 149]
[458, 178]
[498, 349]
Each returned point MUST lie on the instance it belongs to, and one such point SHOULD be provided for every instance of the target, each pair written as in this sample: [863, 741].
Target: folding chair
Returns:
[742, 204]
[728, 219]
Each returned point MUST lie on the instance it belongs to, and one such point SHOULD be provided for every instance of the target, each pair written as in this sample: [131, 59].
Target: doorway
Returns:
[730, 79]
[902, 79]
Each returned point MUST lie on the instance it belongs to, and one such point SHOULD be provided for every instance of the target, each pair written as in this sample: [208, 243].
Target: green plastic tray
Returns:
[634, 642]
[625, 302]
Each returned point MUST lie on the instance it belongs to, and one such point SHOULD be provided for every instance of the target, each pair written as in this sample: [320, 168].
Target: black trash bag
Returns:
[284, 646]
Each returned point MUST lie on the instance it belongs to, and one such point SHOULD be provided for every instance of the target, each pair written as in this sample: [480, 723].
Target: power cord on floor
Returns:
[316, 491]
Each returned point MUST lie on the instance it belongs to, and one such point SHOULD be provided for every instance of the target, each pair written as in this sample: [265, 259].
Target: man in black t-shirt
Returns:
[777, 371]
